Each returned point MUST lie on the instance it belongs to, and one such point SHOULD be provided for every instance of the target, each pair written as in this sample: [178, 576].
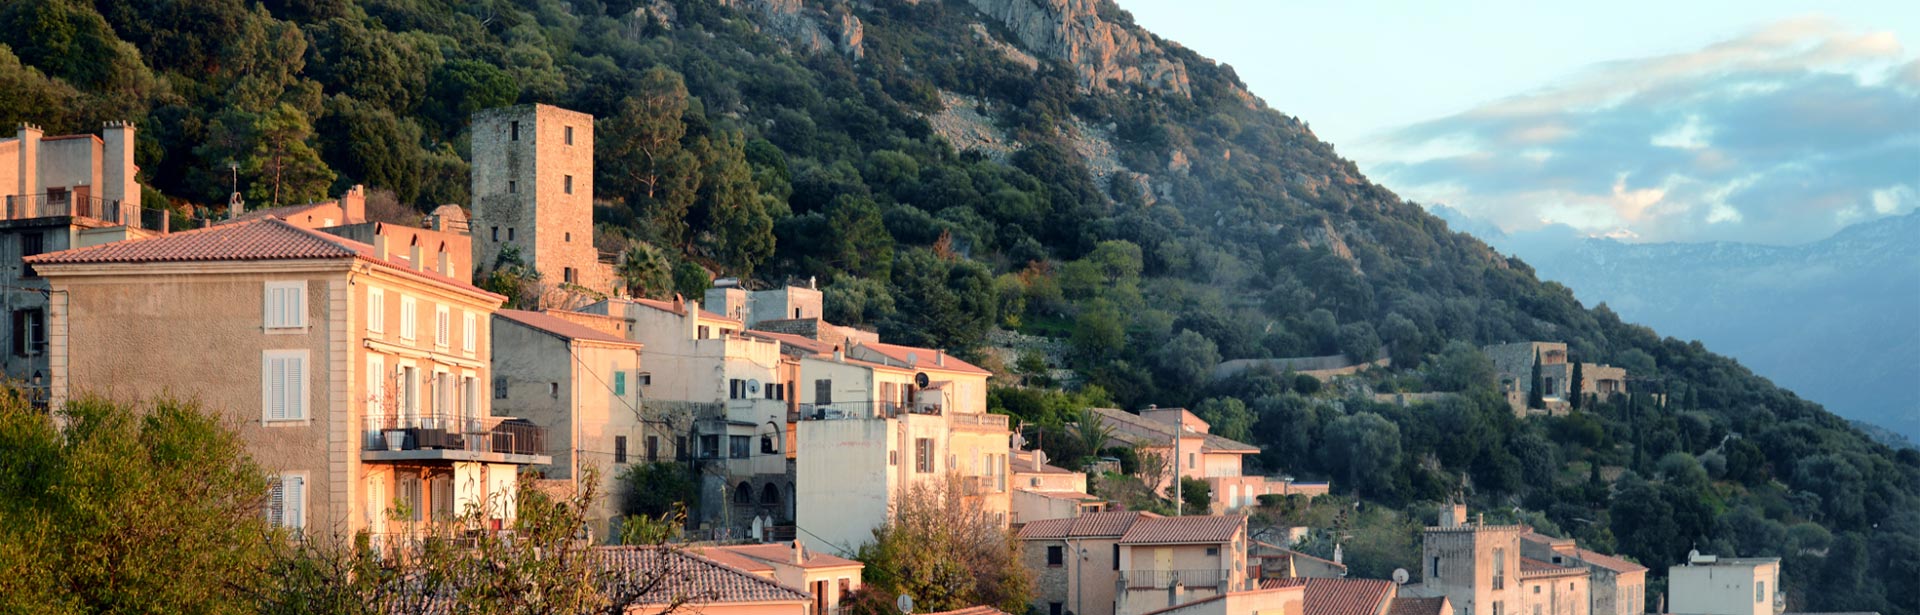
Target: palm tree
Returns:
[644, 271]
[1092, 430]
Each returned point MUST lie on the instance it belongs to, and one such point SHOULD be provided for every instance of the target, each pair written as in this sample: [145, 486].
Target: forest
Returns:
[1231, 232]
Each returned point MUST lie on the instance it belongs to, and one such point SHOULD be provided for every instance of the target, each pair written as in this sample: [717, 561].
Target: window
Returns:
[513, 131]
[566, 184]
[680, 450]
[1760, 592]
[619, 449]
[710, 447]
[470, 396]
[796, 313]
[1054, 608]
[29, 332]
[1190, 461]
[1434, 572]
[701, 332]
[736, 388]
[846, 588]
[408, 314]
[568, 135]
[1536, 608]
[499, 387]
[32, 243]
[442, 327]
[1116, 557]
[376, 310]
[569, 275]
[509, 233]
[646, 379]
[286, 305]
[409, 403]
[553, 390]
[496, 233]
[568, 237]
[408, 484]
[1213, 551]
[283, 385]
[823, 391]
[653, 448]
[376, 385]
[287, 501]
[739, 447]
[923, 455]
[1056, 556]
[1499, 608]
[619, 383]
[470, 331]
[766, 444]
[1499, 570]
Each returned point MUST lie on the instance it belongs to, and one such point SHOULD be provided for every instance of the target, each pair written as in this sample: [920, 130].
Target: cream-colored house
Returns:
[1615, 586]
[1204, 556]
[357, 375]
[1046, 491]
[580, 384]
[830, 580]
[1709, 585]
[1201, 455]
[917, 416]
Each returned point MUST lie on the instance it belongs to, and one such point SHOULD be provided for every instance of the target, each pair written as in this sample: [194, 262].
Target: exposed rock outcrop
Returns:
[1009, 51]
[806, 28]
[962, 125]
[1100, 52]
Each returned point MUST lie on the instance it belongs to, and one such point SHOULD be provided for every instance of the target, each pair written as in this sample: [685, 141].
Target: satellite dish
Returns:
[920, 379]
[753, 386]
[1400, 576]
[905, 604]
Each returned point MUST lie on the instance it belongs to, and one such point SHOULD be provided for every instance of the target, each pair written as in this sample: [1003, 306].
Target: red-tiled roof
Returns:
[1110, 523]
[1417, 606]
[1060, 495]
[1608, 562]
[923, 358]
[283, 212]
[1191, 529]
[781, 552]
[804, 343]
[562, 328]
[1531, 568]
[972, 610]
[1339, 596]
[735, 560]
[264, 239]
[702, 580]
[1279, 551]
[1209, 443]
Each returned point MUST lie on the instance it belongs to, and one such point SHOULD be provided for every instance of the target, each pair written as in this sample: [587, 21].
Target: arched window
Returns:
[743, 494]
[770, 495]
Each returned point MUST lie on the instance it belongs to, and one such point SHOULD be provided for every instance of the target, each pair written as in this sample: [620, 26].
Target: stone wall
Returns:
[532, 185]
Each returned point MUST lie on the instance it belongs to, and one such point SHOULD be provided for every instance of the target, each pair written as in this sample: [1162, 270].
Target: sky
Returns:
[1763, 121]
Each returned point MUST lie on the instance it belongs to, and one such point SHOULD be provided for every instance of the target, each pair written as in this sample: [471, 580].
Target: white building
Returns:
[1708, 585]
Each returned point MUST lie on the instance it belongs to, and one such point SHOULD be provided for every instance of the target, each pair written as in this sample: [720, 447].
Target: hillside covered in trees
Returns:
[949, 169]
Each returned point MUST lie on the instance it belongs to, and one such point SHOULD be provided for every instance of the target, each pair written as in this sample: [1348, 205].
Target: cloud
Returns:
[1782, 135]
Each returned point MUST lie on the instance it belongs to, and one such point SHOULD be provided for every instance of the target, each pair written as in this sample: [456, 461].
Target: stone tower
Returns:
[533, 190]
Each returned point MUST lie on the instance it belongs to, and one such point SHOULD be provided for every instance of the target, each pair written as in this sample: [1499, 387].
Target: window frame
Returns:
[376, 311]
[442, 326]
[409, 318]
[277, 504]
[268, 322]
[469, 332]
[267, 358]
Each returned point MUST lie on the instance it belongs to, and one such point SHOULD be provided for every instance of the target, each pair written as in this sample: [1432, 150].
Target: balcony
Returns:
[980, 485]
[27, 206]
[980, 422]
[450, 438]
[1162, 579]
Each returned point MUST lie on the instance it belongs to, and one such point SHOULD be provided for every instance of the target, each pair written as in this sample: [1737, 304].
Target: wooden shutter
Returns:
[470, 334]
[376, 310]
[296, 500]
[273, 375]
[376, 387]
[276, 501]
[294, 375]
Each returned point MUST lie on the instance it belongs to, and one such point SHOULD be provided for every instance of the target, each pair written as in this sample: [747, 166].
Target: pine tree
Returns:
[1576, 388]
[1536, 397]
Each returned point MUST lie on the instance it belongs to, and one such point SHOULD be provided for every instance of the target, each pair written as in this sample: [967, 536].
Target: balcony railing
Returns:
[989, 422]
[25, 206]
[453, 433]
[1162, 579]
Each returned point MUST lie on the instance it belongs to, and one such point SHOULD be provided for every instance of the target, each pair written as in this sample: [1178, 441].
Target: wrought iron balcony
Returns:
[1162, 579]
[27, 206]
[442, 437]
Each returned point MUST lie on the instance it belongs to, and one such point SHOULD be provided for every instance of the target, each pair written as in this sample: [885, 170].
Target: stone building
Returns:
[1616, 586]
[1484, 570]
[1513, 365]
[60, 192]
[532, 184]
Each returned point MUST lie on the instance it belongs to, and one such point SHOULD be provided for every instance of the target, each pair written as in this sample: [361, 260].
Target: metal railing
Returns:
[452, 432]
[24, 206]
[1162, 579]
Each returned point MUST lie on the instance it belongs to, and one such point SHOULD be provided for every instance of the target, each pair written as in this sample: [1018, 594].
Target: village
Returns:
[368, 369]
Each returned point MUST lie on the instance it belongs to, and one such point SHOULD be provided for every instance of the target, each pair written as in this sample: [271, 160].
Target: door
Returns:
[1163, 559]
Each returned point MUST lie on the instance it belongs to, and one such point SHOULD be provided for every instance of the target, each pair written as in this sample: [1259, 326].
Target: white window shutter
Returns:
[296, 376]
[376, 310]
[272, 372]
[470, 334]
[376, 386]
[296, 500]
[276, 501]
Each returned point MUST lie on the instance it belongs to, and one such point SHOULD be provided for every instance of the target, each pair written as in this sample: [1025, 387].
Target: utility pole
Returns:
[1179, 490]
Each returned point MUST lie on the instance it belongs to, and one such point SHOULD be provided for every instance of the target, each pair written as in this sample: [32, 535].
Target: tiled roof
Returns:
[1191, 529]
[1060, 495]
[804, 343]
[283, 212]
[263, 239]
[1110, 523]
[702, 580]
[1023, 464]
[782, 552]
[1417, 606]
[562, 328]
[1339, 596]
[1209, 443]
[923, 358]
[972, 610]
[1292, 553]
[1531, 568]
[736, 560]
[1608, 562]
[667, 306]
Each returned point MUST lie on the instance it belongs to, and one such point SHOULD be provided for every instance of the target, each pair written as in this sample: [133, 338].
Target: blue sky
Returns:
[1770, 122]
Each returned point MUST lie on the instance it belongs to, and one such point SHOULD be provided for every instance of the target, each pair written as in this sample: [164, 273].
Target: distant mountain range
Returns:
[1836, 321]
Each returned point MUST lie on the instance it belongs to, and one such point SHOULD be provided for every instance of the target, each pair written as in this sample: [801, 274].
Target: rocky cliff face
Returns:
[1099, 51]
[808, 28]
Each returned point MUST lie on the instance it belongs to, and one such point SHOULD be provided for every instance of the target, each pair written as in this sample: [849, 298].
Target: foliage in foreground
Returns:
[946, 551]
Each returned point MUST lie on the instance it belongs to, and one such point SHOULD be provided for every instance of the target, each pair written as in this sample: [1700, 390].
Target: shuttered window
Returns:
[287, 501]
[376, 386]
[408, 312]
[286, 305]
[442, 327]
[283, 384]
[470, 332]
[376, 310]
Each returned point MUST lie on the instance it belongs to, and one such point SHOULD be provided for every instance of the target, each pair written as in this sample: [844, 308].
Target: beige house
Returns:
[1045, 491]
[59, 193]
[859, 457]
[1616, 586]
[1513, 365]
[580, 384]
[1709, 585]
[1484, 570]
[1276, 562]
[828, 579]
[357, 375]
[1201, 556]
[1201, 455]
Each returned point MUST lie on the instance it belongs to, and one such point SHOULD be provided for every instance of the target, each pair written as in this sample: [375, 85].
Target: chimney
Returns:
[940, 358]
[1039, 459]
[1176, 594]
[416, 257]
[379, 244]
[353, 205]
[1481, 521]
[446, 261]
[1338, 553]
[29, 161]
[117, 170]
[799, 552]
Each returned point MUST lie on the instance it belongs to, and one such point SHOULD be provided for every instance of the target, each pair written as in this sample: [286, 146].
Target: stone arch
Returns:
[770, 496]
[743, 494]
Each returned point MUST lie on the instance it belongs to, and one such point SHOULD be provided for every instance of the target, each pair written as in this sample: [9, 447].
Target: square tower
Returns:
[533, 190]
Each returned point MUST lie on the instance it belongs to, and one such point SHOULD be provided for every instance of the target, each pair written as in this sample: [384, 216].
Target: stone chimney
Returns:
[353, 205]
[445, 266]
[29, 161]
[379, 244]
[799, 552]
[416, 256]
[939, 358]
[117, 170]
[1039, 459]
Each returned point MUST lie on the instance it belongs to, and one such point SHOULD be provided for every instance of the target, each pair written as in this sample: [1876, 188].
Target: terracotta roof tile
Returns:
[262, 239]
[1417, 606]
[804, 343]
[563, 328]
[1191, 529]
[706, 580]
[781, 552]
[972, 610]
[1209, 443]
[667, 306]
[1339, 596]
[1533, 568]
[923, 358]
[1110, 523]
[1608, 562]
